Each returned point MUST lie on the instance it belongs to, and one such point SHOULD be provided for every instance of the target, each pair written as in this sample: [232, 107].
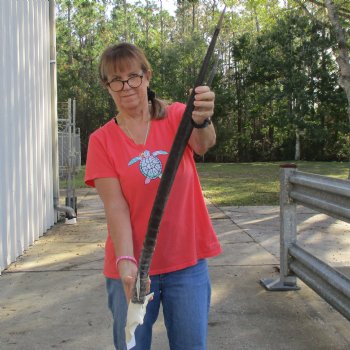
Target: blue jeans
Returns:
[185, 296]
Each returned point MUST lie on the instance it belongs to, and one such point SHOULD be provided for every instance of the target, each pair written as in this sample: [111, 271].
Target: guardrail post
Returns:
[288, 234]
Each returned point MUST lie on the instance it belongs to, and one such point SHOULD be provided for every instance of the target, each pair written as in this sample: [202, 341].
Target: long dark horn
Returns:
[175, 155]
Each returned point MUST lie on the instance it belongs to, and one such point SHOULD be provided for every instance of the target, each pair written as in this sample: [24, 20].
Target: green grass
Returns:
[245, 183]
[242, 184]
[78, 180]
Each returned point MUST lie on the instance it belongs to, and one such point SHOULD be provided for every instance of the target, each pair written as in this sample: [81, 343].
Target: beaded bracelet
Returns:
[126, 257]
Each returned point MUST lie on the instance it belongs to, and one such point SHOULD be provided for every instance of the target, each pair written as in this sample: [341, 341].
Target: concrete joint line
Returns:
[241, 228]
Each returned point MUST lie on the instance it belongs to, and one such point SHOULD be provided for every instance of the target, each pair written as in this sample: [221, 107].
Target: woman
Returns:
[125, 162]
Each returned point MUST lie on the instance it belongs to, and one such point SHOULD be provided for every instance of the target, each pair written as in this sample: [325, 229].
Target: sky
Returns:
[169, 5]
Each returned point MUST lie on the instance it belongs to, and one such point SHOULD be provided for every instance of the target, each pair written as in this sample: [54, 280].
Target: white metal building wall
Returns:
[26, 188]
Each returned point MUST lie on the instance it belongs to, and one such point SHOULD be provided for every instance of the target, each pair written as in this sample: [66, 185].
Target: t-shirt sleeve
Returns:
[98, 162]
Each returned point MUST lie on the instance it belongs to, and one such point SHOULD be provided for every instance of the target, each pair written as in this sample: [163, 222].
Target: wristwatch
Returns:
[206, 123]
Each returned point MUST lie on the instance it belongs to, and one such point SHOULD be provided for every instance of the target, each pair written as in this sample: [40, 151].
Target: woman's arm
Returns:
[202, 139]
[118, 219]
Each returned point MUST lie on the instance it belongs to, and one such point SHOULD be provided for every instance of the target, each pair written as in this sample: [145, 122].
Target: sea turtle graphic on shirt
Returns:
[150, 165]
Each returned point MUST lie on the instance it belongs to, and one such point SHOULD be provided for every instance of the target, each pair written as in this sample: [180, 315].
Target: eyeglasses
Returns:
[117, 85]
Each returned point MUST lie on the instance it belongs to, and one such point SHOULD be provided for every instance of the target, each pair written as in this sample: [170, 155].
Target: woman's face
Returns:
[129, 98]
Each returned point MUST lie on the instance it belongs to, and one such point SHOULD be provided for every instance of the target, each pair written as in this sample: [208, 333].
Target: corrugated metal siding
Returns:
[26, 189]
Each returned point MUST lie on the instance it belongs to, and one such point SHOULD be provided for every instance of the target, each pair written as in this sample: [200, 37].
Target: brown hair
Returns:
[120, 55]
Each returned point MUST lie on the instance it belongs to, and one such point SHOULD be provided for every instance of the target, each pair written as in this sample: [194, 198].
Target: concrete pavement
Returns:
[54, 297]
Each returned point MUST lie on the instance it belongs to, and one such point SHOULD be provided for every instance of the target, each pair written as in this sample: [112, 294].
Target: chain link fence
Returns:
[69, 148]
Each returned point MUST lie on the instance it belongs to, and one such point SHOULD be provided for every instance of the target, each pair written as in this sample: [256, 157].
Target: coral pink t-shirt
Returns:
[185, 233]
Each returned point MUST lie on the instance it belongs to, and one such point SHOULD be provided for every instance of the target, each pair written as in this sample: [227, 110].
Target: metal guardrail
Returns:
[326, 195]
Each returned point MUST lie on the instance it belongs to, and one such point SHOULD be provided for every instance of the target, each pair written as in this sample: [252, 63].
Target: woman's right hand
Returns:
[128, 272]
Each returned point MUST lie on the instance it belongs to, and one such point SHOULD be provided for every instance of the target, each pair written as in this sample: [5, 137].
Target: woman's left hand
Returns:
[203, 104]
[203, 138]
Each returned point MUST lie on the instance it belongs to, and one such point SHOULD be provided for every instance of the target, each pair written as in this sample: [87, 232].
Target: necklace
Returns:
[130, 134]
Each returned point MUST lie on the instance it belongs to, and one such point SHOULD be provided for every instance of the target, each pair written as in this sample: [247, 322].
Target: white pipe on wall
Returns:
[54, 127]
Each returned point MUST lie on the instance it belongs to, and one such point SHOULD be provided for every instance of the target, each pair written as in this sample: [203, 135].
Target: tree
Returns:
[343, 56]
[338, 15]
[276, 79]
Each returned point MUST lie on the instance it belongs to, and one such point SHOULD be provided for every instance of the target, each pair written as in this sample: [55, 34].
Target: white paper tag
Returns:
[135, 316]
[138, 286]
[131, 343]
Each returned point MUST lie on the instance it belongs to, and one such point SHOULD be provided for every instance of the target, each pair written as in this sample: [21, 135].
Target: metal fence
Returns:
[26, 191]
[69, 150]
[329, 196]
